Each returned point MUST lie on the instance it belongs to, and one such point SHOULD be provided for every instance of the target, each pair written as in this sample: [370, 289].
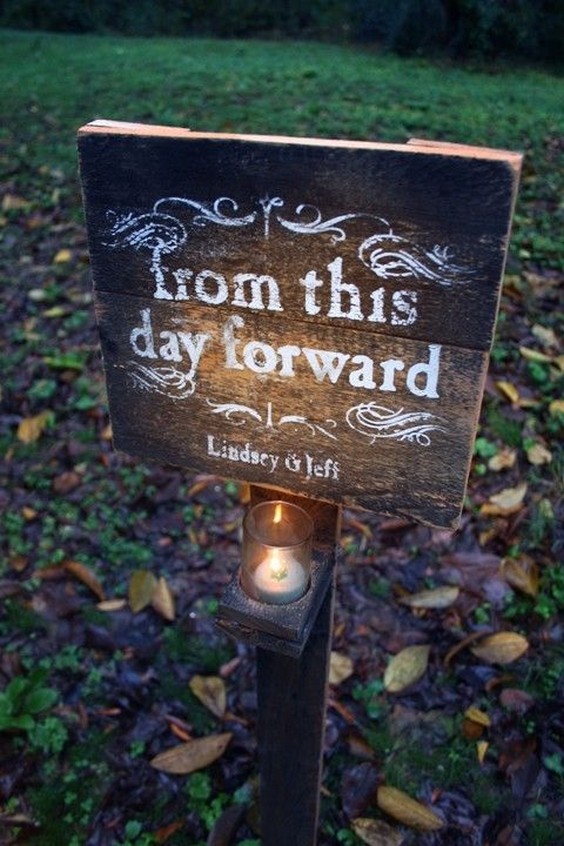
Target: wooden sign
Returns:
[306, 314]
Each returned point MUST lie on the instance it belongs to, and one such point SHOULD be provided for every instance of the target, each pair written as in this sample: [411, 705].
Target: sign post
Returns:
[308, 316]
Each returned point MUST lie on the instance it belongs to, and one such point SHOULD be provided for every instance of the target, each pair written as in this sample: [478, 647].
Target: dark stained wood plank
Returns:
[416, 236]
[311, 315]
[391, 450]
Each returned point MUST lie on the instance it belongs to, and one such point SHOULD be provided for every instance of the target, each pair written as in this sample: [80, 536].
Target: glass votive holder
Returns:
[276, 555]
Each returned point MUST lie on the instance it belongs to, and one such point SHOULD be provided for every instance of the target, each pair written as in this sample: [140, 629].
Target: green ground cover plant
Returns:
[94, 680]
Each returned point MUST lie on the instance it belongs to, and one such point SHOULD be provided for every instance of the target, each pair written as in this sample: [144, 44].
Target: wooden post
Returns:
[292, 698]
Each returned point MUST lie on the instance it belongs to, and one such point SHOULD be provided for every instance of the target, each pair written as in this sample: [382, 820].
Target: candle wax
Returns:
[280, 579]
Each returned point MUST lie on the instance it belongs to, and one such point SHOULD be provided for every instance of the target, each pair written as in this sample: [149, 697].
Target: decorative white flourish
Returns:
[168, 381]
[390, 256]
[229, 409]
[318, 226]
[387, 255]
[211, 213]
[376, 421]
[158, 233]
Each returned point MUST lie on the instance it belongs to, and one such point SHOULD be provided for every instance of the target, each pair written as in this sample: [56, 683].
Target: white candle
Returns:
[280, 579]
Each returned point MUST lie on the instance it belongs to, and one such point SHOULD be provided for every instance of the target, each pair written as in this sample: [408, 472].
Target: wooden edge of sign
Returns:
[513, 158]
[115, 127]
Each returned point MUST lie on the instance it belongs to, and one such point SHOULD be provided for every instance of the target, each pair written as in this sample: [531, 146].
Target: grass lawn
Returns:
[89, 696]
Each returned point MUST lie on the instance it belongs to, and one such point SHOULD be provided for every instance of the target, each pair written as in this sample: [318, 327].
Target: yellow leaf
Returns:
[441, 597]
[31, 428]
[556, 407]
[545, 335]
[508, 390]
[477, 716]
[501, 648]
[508, 501]
[194, 755]
[534, 355]
[522, 574]
[406, 810]
[503, 460]
[62, 256]
[86, 576]
[109, 605]
[12, 202]
[55, 312]
[340, 668]
[482, 747]
[162, 600]
[376, 832]
[539, 454]
[406, 668]
[210, 690]
[142, 585]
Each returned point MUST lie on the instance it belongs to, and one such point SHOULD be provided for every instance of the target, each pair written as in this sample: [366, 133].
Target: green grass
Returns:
[52, 84]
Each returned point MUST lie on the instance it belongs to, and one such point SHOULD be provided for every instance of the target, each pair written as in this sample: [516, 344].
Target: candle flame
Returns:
[278, 513]
[278, 569]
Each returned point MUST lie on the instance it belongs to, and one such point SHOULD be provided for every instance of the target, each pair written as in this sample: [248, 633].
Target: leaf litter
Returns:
[122, 649]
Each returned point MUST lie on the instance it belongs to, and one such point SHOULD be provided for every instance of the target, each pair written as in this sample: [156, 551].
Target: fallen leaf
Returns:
[109, 605]
[534, 355]
[478, 716]
[358, 788]
[545, 335]
[162, 600]
[441, 597]
[163, 834]
[481, 748]
[18, 563]
[67, 482]
[539, 454]
[62, 256]
[30, 429]
[471, 730]
[376, 832]
[142, 585]
[501, 648]
[12, 202]
[507, 502]
[522, 574]
[406, 810]
[226, 826]
[55, 312]
[340, 668]
[516, 700]
[194, 755]
[406, 668]
[503, 460]
[556, 407]
[86, 576]
[509, 391]
[210, 690]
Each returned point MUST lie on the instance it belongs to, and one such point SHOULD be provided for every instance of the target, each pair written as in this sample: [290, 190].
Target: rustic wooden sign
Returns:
[306, 314]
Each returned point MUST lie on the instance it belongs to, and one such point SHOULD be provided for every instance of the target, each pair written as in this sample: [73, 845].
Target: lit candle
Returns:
[280, 579]
[276, 552]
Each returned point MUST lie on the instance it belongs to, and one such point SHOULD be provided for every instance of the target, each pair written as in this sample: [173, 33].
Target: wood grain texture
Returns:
[310, 315]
